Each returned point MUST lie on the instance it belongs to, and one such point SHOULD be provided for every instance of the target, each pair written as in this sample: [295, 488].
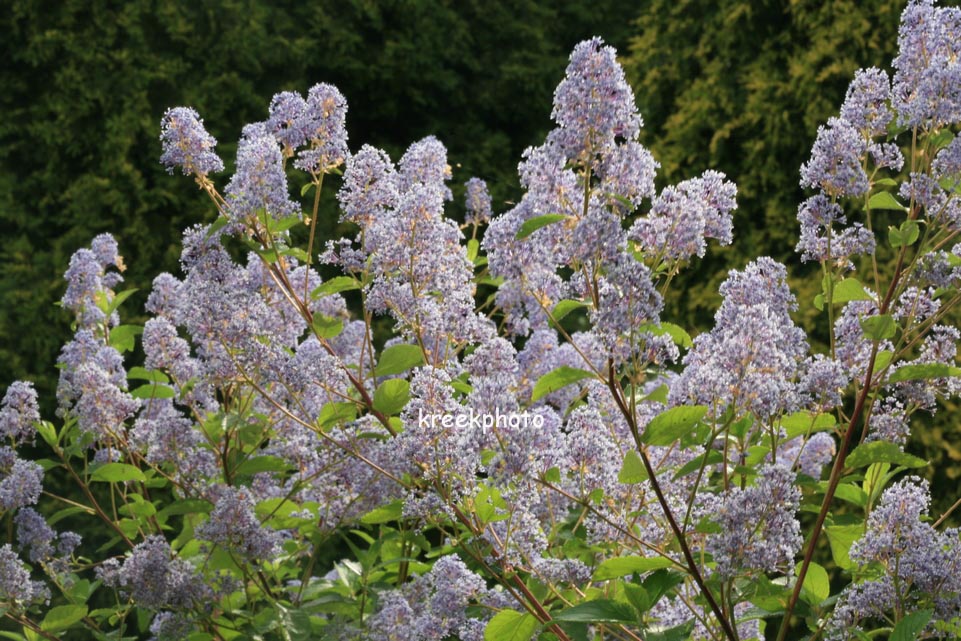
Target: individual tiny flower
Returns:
[835, 164]
[478, 202]
[19, 412]
[186, 144]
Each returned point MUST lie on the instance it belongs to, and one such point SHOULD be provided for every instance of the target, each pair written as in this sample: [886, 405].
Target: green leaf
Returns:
[391, 396]
[598, 611]
[258, 464]
[511, 625]
[143, 374]
[911, 625]
[625, 565]
[712, 457]
[882, 452]
[905, 235]
[473, 246]
[677, 333]
[384, 514]
[217, 225]
[638, 597]
[886, 182]
[153, 390]
[116, 473]
[533, 224]
[305, 189]
[633, 470]
[48, 433]
[800, 423]
[849, 289]
[556, 379]
[61, 617]
[670, 425]
[680, 632]
[336, 412]
[327, 327]
[397, 359]
[817, 584]
[841, 538]
[565, 307]
[278, 226]
[877, 328]
[885, 200]
[919, 371]
[123, 338]
[335, 286]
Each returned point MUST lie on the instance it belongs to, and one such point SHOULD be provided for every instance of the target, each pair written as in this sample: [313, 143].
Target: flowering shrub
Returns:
[533, 452]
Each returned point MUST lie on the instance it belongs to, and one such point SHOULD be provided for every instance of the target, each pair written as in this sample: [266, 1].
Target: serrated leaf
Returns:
[391, 396]
[908, 628]
[633, 470]
[598, 611]
[625, 565]
[882, 452]
[335, 286]
[511, 625]
[117, 473]
[877, 328]
[397, 359]
[817, 584]
[62, 617]
[672, 424]
[885, 200]
[557, 379]
[533, 224]
[921, 371]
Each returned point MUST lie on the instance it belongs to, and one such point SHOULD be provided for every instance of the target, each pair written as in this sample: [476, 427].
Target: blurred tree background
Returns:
[737, 85]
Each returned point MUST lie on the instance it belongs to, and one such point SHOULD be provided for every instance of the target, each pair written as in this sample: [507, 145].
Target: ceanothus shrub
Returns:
[491, 418]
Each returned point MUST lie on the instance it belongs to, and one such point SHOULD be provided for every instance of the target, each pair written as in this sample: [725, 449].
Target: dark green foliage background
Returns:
[736, 85]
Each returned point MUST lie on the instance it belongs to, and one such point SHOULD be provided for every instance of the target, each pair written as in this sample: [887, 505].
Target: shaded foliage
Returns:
[87, 83]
